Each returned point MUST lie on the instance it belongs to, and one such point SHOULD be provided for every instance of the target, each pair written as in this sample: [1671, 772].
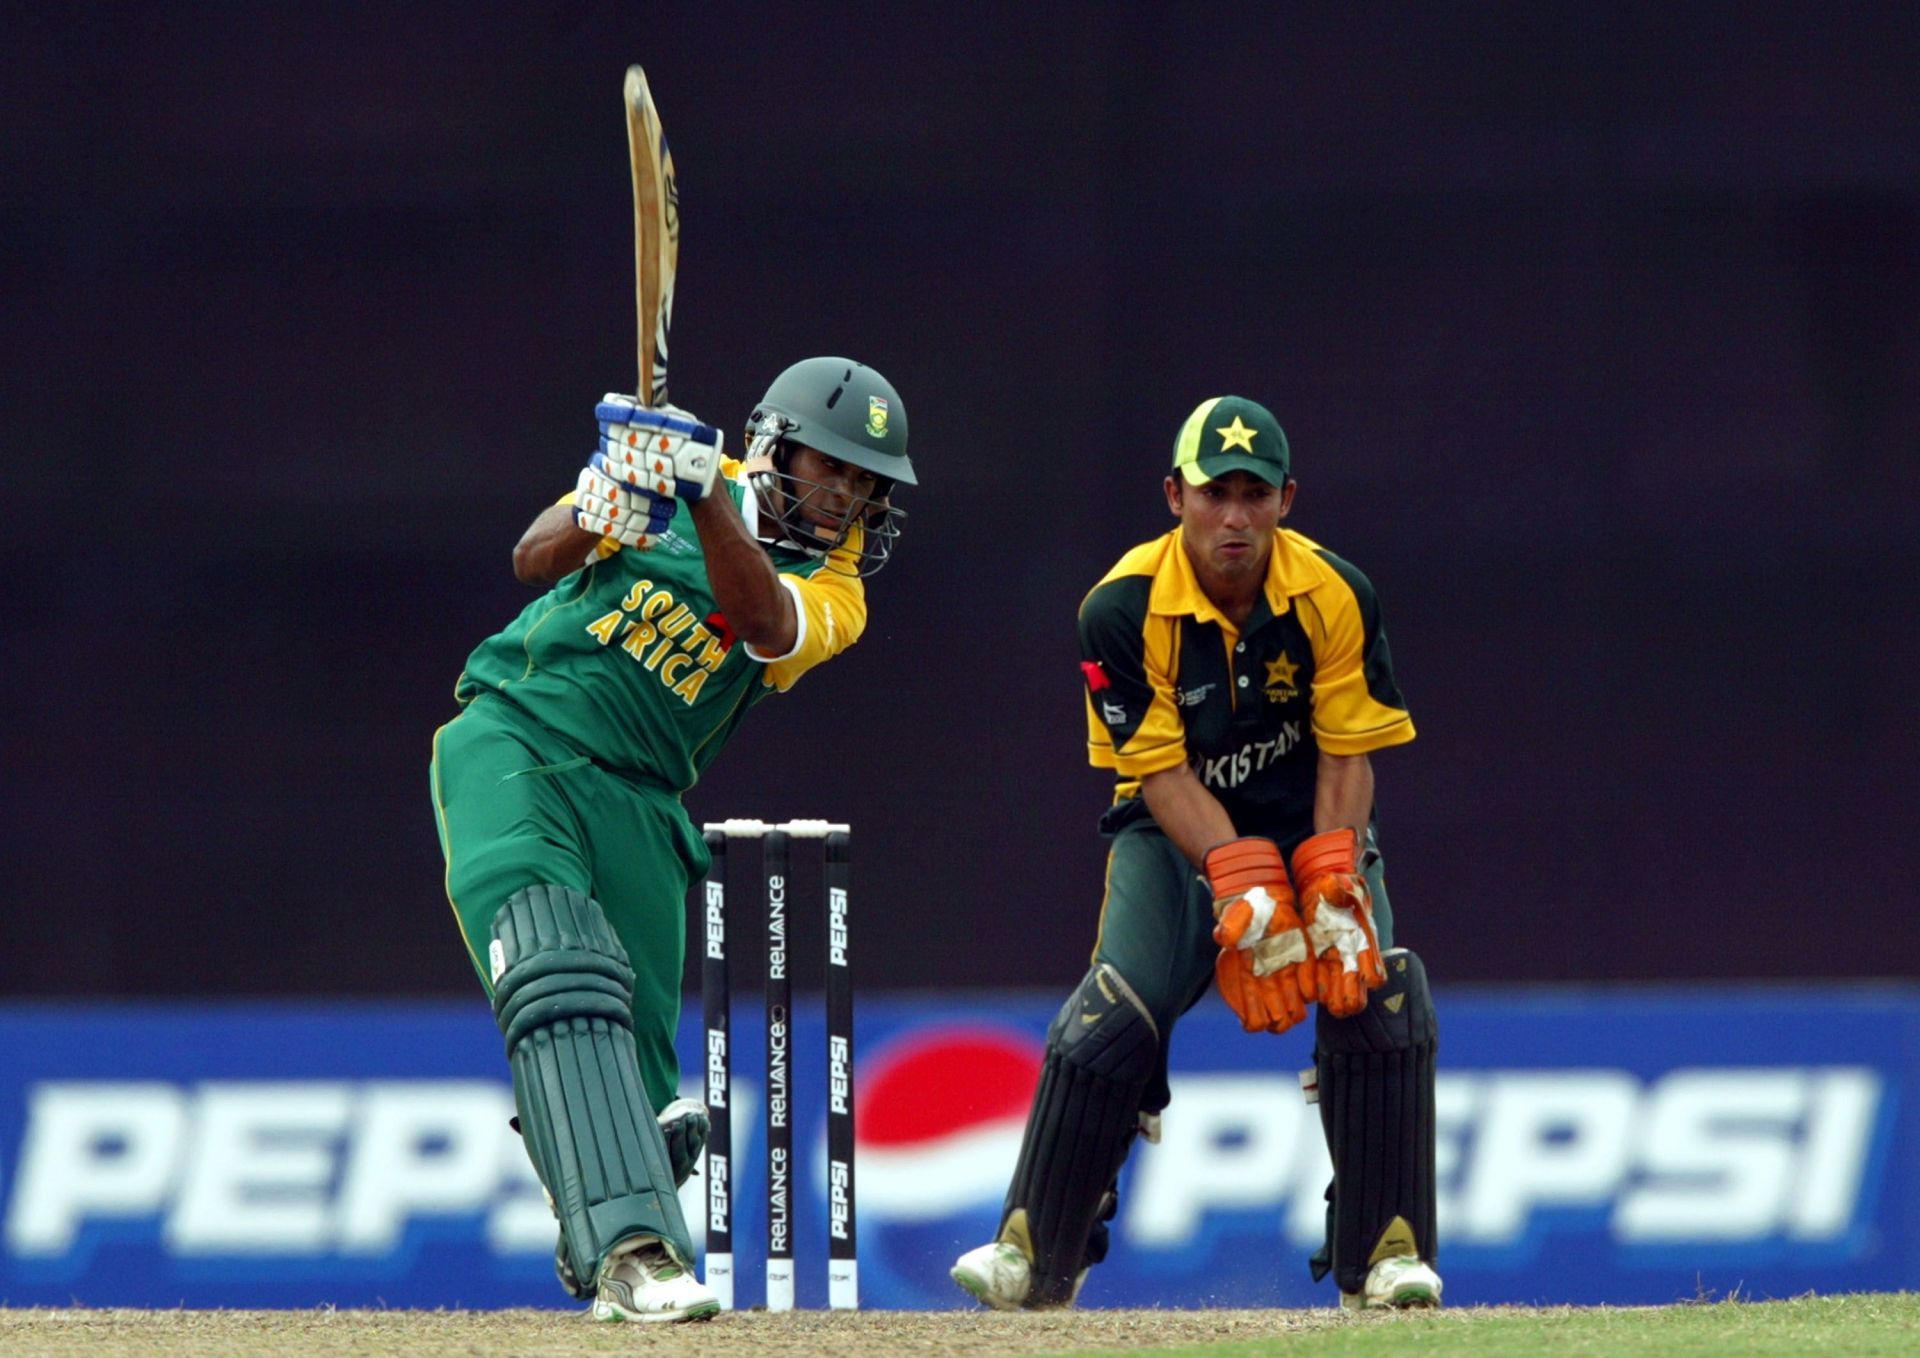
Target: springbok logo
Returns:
[877, 416]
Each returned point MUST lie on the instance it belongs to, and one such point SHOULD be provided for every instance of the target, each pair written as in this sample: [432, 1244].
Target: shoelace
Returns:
[658, 1265]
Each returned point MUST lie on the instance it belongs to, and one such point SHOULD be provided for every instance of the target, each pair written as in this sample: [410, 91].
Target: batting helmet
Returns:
[852, 414]
[845, 409]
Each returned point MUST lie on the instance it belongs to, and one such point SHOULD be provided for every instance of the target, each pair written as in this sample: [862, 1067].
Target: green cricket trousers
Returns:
[518, 807]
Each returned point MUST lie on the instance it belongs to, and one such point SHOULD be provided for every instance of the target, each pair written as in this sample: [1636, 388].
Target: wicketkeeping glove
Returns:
[1338, 912]
[1265, 969]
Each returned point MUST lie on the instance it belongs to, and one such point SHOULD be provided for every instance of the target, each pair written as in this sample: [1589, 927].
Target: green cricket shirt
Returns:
[630, 661]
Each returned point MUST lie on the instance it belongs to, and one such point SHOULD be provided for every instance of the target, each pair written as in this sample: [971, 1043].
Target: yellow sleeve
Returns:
[832, 610]
[1357, 707]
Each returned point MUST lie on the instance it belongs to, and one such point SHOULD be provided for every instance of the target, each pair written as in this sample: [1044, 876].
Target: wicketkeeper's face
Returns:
[1229, 521]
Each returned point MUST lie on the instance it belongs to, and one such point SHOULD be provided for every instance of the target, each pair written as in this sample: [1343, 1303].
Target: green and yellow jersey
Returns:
[1170, 680]
[630, 661]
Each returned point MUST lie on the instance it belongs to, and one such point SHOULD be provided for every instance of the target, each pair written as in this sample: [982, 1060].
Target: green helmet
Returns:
[845, 409]
[852, 414]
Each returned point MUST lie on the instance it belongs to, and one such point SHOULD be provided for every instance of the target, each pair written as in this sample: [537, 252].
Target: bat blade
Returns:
[656, 234]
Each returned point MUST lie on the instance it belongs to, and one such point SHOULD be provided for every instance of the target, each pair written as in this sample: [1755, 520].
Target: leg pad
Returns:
[1102, 1048]
[1376, 1107]
[563, 996]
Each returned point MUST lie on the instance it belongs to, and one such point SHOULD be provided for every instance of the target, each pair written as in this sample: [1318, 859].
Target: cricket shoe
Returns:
[998, 1275]
[641, 1281]
[1398, 1281]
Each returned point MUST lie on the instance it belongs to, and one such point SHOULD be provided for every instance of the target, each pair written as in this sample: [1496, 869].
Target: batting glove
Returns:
[1338, 912]
[666, 452]
[629, 515]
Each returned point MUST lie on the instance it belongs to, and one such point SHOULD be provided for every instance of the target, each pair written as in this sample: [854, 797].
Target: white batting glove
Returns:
[630, 516]
[666, 452]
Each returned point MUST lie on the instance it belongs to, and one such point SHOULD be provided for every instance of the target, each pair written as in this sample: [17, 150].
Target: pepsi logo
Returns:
[940, 1113]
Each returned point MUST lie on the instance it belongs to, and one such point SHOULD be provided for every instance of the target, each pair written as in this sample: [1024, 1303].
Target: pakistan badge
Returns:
[1279, 686]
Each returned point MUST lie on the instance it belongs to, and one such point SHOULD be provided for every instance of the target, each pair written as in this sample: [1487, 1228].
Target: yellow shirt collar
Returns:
[1291, 569]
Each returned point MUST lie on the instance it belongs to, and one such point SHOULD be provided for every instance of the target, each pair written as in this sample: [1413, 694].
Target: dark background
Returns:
[1596, 331]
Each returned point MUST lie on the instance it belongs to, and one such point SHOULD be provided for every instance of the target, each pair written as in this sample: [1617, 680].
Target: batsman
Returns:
[679, 589]
[1237, 682]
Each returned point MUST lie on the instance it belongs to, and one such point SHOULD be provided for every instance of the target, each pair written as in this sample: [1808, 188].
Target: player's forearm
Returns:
[745, 585]
[552, 548]
[1343, 794]
[1191, 816]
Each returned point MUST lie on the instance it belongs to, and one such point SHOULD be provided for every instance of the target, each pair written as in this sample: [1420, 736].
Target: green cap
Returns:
[1227, 434]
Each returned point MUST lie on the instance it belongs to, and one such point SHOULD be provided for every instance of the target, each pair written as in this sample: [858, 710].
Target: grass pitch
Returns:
[1866, 1324]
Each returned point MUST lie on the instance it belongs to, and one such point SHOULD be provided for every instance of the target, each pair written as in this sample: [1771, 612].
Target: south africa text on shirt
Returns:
[664, 636]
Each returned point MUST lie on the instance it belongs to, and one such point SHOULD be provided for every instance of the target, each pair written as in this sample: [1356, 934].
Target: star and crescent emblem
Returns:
[1280, 672]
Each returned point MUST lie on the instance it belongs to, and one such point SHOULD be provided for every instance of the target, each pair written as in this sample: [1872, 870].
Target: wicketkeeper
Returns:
[1237, 680]
[684, 588]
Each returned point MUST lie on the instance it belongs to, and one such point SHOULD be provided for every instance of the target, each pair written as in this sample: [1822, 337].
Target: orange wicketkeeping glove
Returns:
[1338, 915]
[1265, 969]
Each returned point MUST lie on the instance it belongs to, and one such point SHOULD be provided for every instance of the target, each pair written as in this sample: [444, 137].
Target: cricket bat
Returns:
[656, 234]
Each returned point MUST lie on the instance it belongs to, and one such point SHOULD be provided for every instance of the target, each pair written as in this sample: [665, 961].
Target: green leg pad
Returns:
[563, 995]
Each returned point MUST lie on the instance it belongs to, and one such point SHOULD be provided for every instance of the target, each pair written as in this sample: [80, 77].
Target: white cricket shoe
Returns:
[641, 1281]
[997, 1275]
[1401, 1280]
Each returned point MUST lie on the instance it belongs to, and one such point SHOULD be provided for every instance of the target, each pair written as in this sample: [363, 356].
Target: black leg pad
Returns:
[1376, 1107]
[1102, 1048]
